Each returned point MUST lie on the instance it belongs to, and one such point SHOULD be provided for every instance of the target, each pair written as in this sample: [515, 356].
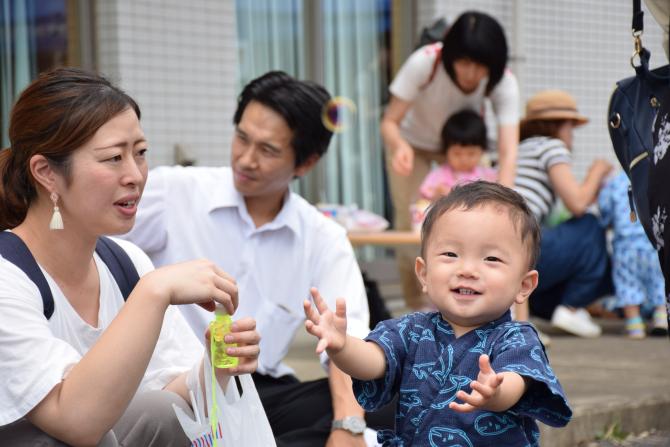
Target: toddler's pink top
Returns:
[445, 178]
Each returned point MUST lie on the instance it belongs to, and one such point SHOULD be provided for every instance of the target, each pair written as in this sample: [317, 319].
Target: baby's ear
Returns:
[528, 284]
[420, 270]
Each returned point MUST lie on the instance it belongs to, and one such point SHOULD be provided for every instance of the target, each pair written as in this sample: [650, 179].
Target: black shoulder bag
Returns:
[632, 113]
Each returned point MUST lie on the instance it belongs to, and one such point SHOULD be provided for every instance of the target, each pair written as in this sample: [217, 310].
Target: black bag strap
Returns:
[638, 26]
[13, 249]
[433, 70]
[432, 33]
[119, 264]
[638, 15]
[640, 58]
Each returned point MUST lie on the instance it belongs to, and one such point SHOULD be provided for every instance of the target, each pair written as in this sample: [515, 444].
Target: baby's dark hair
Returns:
[466, 128]
[475, 194]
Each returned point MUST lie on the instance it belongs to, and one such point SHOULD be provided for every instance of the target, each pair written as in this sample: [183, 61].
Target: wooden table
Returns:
[385, 238]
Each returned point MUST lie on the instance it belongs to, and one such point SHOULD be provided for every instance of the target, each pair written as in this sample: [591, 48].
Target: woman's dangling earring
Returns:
[56, 219]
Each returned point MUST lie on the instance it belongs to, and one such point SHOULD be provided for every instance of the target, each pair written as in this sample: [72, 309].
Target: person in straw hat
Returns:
[573, 264]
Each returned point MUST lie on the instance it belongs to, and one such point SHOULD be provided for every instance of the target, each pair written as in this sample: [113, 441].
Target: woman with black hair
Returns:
[436, 81]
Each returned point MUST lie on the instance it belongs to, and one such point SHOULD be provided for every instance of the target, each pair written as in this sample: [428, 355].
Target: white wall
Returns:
[178, 59]
[579, 46]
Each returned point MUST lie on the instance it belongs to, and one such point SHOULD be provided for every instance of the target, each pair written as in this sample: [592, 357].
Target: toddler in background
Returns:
[465, 374]
[463, 144]
[636, 272]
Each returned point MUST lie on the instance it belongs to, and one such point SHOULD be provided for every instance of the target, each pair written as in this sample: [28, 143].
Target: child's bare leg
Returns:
[631, 311]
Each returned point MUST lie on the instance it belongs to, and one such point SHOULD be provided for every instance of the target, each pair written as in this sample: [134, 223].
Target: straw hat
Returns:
[553, 105]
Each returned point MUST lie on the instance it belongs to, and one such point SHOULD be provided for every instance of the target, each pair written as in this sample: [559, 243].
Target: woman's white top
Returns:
[36, 354]
[434, 101]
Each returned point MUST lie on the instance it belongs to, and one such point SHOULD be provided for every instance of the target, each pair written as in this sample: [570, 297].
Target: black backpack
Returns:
[432, 33]
[13, 249]
[632, 113]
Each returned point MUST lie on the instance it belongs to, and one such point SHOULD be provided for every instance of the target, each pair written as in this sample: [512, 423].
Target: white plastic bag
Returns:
[241, 419]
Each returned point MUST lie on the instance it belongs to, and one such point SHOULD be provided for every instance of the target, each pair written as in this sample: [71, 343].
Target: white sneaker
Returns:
[577, 322]
[582, 313]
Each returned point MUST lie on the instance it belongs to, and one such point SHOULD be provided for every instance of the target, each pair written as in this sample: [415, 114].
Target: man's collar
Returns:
[224, 195]
[288, 215]
[227, 196]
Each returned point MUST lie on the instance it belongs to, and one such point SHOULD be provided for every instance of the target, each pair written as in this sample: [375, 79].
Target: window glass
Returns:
[33, 38]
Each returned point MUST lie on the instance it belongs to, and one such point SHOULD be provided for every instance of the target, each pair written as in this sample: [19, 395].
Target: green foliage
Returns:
[613, 432]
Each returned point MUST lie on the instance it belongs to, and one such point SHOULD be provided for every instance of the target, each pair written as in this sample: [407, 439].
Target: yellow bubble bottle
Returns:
[218, 329]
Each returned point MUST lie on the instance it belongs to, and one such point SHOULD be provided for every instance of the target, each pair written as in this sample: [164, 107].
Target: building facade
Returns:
[185, 62]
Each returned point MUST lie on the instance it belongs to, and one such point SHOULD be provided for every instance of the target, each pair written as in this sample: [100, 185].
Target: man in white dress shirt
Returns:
[274, 243]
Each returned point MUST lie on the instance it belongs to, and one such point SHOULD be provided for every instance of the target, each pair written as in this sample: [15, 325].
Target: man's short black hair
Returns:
[480, 38]
[466, 128]
[300, 103]
[475, 194]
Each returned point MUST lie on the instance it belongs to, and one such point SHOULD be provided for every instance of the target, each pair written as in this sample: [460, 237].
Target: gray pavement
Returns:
[612, 382]
[651, 438]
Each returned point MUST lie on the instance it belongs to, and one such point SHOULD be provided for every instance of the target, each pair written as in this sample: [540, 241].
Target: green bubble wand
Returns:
[218, 329]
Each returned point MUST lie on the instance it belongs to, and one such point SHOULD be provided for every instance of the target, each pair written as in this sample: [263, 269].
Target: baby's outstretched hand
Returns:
[484, 389]
[330, 328]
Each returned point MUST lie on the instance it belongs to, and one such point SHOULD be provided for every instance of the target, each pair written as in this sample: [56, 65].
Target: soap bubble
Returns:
[338, 114]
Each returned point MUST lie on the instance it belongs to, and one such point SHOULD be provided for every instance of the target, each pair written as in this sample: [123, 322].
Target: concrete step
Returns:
[610, 380]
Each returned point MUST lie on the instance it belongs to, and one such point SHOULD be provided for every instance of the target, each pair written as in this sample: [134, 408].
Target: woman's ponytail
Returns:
[13, 190]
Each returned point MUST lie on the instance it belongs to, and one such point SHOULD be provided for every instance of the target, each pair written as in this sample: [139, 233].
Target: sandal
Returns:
[659, 326]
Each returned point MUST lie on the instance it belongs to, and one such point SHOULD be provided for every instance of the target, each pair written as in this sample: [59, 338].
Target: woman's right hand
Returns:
[400, 152]
[601, 168]
[403, 159]
[194, 282]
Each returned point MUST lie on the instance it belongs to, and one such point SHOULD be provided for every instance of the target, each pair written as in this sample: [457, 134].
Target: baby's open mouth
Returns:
[465, 291]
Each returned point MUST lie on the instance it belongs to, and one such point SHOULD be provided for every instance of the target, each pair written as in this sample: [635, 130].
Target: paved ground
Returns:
[646, 439]
[613, 384]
